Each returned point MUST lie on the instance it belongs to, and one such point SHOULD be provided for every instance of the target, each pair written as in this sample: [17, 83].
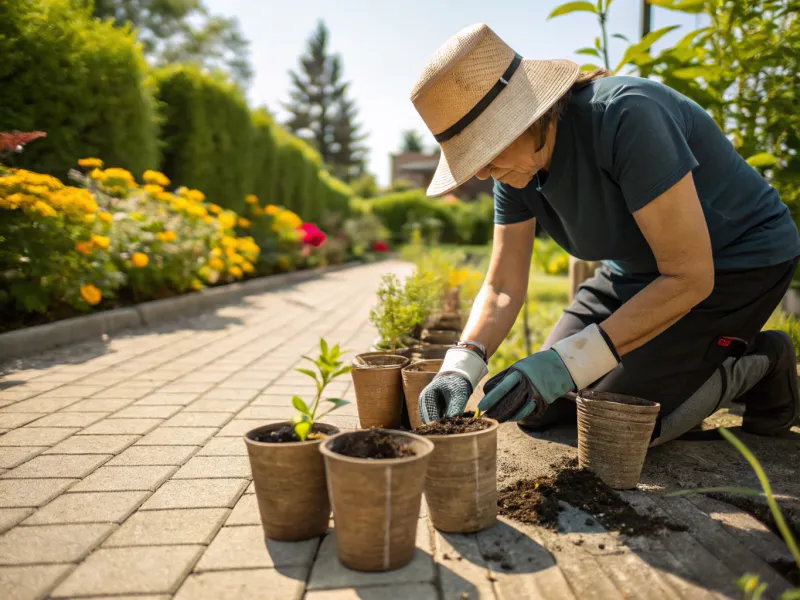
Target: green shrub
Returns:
[81, 81]
[264, 157]
[397, 211]
[207, 134]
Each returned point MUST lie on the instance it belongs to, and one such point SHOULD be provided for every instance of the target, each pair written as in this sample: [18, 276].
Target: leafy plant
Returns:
[328, 367]
[749, 584]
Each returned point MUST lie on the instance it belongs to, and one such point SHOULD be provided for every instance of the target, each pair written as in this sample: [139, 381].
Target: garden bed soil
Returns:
[537, 501]
[454, 425]
[285, 435]
[375, 445]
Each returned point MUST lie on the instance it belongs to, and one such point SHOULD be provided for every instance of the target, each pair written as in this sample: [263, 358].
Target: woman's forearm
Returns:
[492, 317]
[663, 302]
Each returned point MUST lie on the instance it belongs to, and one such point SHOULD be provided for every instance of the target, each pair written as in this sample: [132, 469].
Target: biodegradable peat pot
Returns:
[289, 479]
[432, 351]
[399, 351]
[440, 336]
[376, 501]
[461, 483]
[613, 435]
[451, 321]
[452, 300]
[379, 388]
[416, 376]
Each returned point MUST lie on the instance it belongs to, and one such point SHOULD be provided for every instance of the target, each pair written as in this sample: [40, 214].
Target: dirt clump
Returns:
[453, 425]
[374, 444]
[537, 501]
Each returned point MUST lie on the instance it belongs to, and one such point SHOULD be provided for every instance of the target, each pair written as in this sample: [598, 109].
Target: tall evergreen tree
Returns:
[320, 110]
[412, 142]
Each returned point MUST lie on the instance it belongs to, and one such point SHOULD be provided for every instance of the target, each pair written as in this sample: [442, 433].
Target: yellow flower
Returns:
[197, 210]
[216, 264]
[272, 210]
[457, 277]
[156, 178]
[90, 294]
[248, 267]
[153, 189]
[288, 219]
[90, 163]
[196, 284]
[120, 174]
[235, 271]
[214, 208]
[84, 247]
[167, 236]
[44, 209]
[195, 195]
[139, 260]
[251, 199]
[245, 223]
[88, 218]
[283, 263]
[228, 241]
[100, 241]
[216, 253]
[96, 174]
[208, 219]
[226, 220]
[106, 217]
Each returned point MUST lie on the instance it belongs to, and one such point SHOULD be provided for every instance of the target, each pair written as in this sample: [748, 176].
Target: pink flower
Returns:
[380, 247]
[311, 235]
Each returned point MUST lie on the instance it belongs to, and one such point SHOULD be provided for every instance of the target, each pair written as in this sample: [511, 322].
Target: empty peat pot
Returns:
[289, 479]
[376, 501]
[613, 435]
[416, 377]
[461, 481]
[378, 385]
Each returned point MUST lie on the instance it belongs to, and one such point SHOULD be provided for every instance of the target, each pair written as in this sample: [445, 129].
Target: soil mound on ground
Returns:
[537, 501]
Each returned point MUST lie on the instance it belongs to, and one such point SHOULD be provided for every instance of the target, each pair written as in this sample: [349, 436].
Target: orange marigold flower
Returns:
[245, 223]
[90, 294]
[235, 271]
[140, 260]
[167, 236]
[216, 264]
[196, 284]
[272, 210]
[44, 209]
[84, 247]
[106, 217]
[155, 177]
[153, 189]
[251, 199]
[214, 208]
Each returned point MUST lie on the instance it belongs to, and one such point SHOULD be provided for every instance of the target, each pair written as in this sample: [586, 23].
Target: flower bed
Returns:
[109, 241]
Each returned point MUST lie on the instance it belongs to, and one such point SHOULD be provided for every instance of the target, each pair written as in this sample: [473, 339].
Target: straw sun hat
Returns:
[477, 95]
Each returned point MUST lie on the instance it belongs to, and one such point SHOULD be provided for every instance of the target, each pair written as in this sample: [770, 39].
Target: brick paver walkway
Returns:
[123, 474]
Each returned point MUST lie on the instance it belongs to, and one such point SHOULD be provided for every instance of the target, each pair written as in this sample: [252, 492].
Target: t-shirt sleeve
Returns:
[645, 140]
[509, 207]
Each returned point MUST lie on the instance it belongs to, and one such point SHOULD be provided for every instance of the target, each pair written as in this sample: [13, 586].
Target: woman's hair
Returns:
[555, 112]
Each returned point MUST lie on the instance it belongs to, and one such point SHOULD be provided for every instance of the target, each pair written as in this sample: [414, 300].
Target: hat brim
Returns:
[534, 88]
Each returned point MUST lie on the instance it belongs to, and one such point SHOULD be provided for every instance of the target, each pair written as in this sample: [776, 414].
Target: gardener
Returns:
[697, 248]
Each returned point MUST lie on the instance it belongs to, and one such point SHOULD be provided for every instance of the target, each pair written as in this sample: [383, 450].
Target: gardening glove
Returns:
[448, 393]
[534, 382]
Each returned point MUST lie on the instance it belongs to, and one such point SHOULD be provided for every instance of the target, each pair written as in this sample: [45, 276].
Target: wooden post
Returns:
[579, 271]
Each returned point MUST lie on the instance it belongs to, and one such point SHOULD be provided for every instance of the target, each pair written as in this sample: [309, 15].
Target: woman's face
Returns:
[517, 164]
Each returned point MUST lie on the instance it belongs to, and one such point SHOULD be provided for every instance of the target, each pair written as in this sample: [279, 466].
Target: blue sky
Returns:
[384, 46]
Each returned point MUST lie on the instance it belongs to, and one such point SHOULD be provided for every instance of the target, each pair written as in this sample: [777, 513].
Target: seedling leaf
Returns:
[308, 372]
[571, 7]
[301, 430]
[301, 406]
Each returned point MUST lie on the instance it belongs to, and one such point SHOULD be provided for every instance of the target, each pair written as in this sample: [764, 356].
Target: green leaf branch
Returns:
[329, 366]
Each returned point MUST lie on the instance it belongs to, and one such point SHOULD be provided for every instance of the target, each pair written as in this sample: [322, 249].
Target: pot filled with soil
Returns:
[440, 336]
[375, 482]
[379, 388]
[461, 483]
[416, 377]
[614, 432]
[379, 347]
[289, 479]
[430, 351]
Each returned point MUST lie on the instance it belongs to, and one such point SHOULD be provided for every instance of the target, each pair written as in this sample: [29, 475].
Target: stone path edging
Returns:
[28, 341]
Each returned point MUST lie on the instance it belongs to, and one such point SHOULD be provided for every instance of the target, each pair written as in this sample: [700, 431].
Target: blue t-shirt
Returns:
[621, 143]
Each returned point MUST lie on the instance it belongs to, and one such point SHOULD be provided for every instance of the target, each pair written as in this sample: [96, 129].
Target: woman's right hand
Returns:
[448, 393]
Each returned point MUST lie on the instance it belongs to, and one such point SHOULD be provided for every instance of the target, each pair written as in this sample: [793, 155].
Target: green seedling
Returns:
[328, 367]
[749, 584]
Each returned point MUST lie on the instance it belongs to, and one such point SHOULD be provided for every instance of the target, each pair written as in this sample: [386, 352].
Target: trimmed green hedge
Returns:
[462, 222]
[81, 81]
[207, 134]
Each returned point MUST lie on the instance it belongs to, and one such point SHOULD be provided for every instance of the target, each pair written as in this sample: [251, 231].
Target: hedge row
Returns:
[87, 85]
[462, 222]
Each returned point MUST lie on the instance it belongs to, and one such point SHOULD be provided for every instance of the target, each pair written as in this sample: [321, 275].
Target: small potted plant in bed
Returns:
[288, 470]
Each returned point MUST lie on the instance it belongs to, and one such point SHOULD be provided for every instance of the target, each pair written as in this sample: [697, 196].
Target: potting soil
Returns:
[374, 444]
[537, 501]
[281, 436]
[452, 425]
